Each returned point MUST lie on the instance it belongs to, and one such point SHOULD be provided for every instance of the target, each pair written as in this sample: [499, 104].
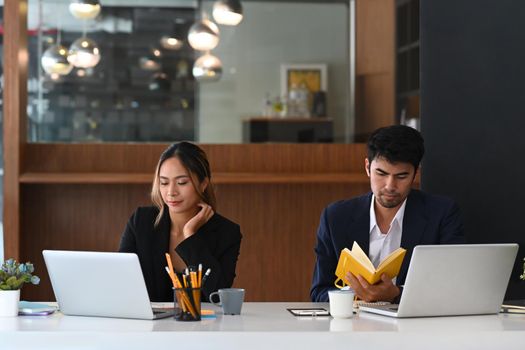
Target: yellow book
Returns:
[356, 262]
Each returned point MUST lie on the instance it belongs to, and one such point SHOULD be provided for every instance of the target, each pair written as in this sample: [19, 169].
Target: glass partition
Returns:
[2, 142]
[281, 75]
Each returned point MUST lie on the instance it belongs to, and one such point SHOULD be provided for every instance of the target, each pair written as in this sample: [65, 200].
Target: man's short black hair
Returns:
[396, 143]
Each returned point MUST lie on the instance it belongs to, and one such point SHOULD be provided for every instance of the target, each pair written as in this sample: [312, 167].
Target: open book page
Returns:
[392, 264]
[360, 255]
[350, 262]
[358, 263]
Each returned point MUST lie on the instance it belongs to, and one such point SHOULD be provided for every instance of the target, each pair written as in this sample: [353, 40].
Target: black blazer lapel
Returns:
[362, 224]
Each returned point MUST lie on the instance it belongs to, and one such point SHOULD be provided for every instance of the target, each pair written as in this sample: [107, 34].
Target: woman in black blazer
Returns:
[183, 222]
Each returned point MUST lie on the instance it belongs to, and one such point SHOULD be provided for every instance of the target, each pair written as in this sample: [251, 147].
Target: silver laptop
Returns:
[100, 284]
[448, 280]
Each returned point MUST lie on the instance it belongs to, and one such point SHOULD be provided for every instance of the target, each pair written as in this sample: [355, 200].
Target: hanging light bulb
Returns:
[81, 72]
[84, 9]
[207, 68]
[227, 12]
[203, 35]
[171, 42]
[84, 53]
[151, 61]
[54, 60]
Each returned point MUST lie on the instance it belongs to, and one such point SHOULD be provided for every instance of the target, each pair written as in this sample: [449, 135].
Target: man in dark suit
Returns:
[393, 215]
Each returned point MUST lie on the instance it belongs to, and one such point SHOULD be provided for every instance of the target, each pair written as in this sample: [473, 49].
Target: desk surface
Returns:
[264, 325]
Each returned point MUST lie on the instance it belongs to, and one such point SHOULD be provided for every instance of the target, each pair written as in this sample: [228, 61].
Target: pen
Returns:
[170, 270]
[174, 278]
[171, 277]
[208, 271]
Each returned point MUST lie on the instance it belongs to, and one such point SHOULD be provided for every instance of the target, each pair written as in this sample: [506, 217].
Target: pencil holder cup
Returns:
[187, 304]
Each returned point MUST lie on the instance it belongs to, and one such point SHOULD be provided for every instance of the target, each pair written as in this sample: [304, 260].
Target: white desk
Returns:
[263, 326]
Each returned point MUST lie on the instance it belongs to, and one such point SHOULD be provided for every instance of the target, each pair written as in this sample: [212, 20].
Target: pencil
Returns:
[176, 286]
[170, 270]
[184, 299]
[175, 280]
[195, 290]
[200, 276]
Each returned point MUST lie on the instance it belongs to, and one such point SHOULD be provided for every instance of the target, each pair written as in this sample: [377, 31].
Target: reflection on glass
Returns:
[150, 85]
[111, 95]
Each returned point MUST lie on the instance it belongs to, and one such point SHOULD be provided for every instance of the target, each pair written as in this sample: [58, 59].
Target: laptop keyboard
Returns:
[157, 311]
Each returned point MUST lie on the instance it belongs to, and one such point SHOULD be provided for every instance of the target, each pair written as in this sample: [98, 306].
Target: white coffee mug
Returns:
[341, 303]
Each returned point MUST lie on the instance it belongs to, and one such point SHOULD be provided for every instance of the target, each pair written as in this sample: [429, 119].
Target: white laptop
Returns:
[449, 280]
[100, 284]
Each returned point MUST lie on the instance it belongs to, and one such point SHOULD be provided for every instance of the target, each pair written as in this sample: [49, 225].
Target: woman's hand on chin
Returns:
[202, 217]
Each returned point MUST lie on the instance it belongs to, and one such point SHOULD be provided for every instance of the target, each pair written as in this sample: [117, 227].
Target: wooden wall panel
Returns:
[278, 223]
[375, 31]
[279, 226]
[14, 118]
[371, 89]
[142, 158]
[278, 220]
[375, 66]
[73, 217]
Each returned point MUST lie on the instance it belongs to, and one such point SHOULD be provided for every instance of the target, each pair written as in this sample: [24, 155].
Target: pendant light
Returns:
[54, 59]
[54, 76]
[81, 72]
[227, 12]
[174, 40]
[84, 9]
[203, 35]
[84, 52]
[207, 68]
[171, 42]
[151, 61]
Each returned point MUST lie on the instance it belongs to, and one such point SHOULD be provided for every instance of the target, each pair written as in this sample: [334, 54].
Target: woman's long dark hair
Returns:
[196, 163]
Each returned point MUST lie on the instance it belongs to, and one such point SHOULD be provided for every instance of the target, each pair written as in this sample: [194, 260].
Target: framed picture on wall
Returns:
[312, 75]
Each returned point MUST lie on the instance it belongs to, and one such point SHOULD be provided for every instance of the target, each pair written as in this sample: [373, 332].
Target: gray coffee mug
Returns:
[230, 299]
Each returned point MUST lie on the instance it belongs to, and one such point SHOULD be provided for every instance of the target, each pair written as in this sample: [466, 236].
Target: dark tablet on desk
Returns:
[513, 306]
[309, 312]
